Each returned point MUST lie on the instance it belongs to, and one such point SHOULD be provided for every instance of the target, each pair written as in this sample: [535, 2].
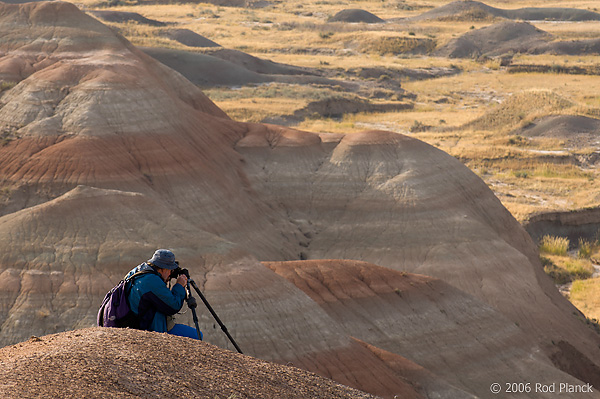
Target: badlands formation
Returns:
[108, 154]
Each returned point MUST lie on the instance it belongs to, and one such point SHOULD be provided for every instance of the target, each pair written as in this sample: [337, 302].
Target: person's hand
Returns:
[182, 279]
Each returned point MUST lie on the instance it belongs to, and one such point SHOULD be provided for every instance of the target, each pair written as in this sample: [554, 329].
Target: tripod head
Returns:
[179, 271]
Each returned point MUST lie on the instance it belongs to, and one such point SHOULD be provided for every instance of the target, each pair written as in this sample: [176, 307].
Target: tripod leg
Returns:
[212, 312]
[192, 304]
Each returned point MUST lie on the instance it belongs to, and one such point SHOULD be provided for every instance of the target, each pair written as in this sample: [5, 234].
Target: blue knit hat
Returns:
[164, 259]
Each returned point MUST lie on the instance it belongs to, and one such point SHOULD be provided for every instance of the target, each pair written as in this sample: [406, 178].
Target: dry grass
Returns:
[554, 245]
[564, 269]
[585, 295]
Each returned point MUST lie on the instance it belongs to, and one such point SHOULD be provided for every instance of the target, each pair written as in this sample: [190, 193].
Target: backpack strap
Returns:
[135, 275]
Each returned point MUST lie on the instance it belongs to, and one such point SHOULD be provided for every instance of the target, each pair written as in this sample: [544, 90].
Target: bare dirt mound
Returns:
[514, 37]
[474, 10]
[497, 39]
[569, 47]
[578, 131]
[553, 14]
[461, 10]
[258, 65]
[124, 16]
[226, 67]
[205, 70]
[356, 15]
[190, 38]
[124, 363]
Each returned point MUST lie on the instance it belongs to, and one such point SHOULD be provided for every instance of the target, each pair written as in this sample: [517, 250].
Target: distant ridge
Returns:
[124, 16]
[496, 39]
[475, 10]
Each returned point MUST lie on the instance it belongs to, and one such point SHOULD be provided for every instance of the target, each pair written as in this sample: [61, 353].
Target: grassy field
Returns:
[585, 295]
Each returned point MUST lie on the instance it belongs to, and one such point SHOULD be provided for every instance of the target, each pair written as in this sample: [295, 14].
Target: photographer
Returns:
[151, 300]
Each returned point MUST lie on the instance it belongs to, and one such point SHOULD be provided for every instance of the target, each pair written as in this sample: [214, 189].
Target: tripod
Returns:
[192, 304]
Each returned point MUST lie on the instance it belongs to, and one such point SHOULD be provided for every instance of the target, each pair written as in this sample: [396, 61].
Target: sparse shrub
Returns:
[7, 85]
[517, 140]
[403, 45]
[521, 174]
[527, 124]
[418, 126]
[403, 6]
[580, 269]
[557, 274]
[563, 269]
[287, 26]
[554, 245]
[585, 248]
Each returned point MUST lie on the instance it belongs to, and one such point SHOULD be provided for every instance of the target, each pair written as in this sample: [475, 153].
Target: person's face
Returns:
[165, 273]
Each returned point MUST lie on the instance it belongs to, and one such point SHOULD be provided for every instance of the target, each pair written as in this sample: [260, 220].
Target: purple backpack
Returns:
[115, 311]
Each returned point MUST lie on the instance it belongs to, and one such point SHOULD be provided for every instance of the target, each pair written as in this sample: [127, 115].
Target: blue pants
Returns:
[182, 330]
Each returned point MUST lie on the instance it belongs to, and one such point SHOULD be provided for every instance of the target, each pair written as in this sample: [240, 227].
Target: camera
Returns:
[179, 271]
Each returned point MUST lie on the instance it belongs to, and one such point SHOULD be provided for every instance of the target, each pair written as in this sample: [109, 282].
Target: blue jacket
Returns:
[151, 300]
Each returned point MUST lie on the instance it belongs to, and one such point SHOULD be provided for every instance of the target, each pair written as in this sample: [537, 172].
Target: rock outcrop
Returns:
[575, 225]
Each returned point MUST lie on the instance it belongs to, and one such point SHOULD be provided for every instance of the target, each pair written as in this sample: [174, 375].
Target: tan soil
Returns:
[124, 363]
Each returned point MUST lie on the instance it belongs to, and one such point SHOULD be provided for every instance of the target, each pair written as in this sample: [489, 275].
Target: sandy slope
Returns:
[116, 363]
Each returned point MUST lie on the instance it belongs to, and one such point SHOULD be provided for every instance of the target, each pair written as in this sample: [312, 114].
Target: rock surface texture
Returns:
[111, 363]
[108, 154]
